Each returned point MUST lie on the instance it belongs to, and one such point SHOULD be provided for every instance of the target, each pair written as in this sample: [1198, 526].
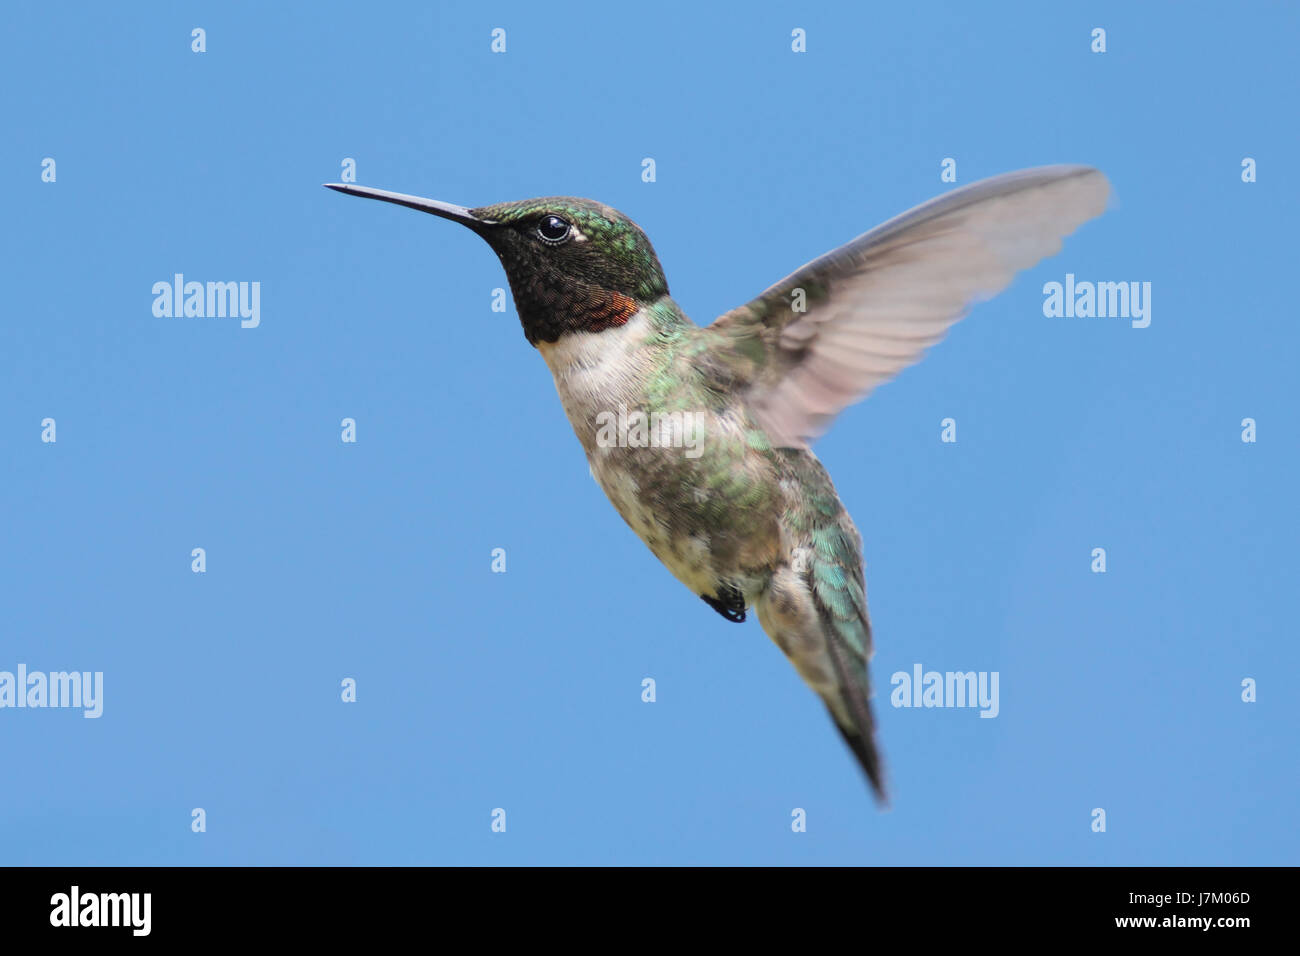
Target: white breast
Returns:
[596, 371]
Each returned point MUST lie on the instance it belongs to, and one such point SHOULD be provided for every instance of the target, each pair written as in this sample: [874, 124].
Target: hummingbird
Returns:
[751, 519]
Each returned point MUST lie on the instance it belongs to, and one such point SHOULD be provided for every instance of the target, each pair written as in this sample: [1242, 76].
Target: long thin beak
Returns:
[432, 206]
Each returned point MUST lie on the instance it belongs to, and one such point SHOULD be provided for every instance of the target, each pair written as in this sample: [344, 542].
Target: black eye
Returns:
[553, 229]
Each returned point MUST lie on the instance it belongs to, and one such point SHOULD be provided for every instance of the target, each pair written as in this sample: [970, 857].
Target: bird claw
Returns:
[730, 603]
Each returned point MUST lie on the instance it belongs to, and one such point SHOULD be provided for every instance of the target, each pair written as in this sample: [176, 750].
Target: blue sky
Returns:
[522, 690]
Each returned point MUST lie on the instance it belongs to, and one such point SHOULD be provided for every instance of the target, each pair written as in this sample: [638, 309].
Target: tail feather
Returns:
[829, 650]
[851, 709]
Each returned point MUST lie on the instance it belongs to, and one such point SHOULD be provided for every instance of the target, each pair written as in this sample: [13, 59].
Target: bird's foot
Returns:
[730, 602]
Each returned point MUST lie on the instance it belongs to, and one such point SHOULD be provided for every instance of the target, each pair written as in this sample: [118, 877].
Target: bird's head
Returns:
[574, 265]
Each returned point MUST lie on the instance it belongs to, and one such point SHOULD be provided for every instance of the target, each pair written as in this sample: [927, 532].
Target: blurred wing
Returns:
[873, 306]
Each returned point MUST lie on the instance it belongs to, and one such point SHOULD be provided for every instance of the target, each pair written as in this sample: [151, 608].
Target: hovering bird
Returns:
[751, 519]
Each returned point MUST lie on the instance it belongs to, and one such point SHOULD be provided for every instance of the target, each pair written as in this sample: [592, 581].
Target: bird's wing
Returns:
[874, 305]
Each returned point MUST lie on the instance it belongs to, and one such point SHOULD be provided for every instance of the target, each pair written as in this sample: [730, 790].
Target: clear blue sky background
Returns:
[523, 690]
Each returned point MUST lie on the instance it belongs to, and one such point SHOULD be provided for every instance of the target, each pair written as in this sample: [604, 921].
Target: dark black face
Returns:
[573, 264]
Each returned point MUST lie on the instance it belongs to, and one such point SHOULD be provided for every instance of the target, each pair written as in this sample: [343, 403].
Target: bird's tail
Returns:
[851, 706]
[817, 615]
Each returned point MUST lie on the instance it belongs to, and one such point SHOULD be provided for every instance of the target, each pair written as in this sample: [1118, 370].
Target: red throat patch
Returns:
[609, 310]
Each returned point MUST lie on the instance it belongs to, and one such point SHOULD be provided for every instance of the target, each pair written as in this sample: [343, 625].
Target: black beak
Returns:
[445, 210]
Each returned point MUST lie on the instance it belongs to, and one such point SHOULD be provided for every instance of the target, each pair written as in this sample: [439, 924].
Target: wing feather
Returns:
[874, 305]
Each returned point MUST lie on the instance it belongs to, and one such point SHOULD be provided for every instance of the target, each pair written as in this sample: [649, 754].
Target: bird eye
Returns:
[553, 229]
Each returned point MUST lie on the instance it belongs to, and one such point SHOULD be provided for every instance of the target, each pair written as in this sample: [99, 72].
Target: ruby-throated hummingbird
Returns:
[746, 516]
